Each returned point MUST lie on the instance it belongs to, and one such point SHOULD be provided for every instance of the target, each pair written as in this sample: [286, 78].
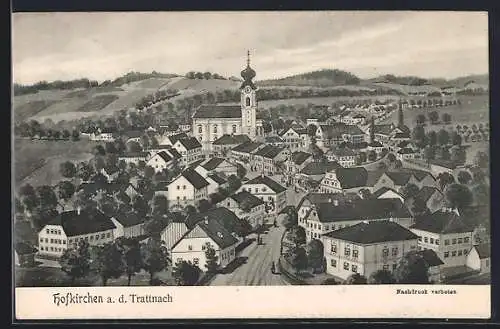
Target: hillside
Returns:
[321, 78]
[431, 83]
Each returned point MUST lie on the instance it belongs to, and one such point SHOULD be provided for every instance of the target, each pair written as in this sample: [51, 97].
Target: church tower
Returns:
[248, 101]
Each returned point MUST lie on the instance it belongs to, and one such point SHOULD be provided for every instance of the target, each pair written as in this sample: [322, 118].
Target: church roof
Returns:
[217, 111]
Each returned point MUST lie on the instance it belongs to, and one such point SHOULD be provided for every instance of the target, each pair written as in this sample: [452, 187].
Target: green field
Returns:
[97, 103]
[38, 161]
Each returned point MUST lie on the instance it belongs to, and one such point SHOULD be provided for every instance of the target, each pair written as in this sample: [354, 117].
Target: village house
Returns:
[24, 254]
[445, 233]
[297, 161]
[398, 179]
[342, 180]
[313, 173]
[134, 157]
[67, 228]
[193, 245]
[479, 258]
[243, 153]
[337, 133]
[326, 217]
[432, 197]
[217, 165]
[343, 155]
[128, 225]
[269, 191]
[294, 138]
[247, 207]
[171, 139]
[375, 146]
[111, 173]
[274, 140]
[103, 135]
[434, 263]
[387, 193]
[223, 145]
[160, 161]
[407, 153]
[268, 159]
[367, 247]
[175, 229]
[190, 149]
[132, 136]
[187, 189]
[313, 199]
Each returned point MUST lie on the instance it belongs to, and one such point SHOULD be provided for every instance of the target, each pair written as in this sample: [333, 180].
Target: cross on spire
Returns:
[248, 57]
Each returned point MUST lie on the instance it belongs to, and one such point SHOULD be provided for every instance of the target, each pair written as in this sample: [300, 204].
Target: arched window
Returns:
[247, 101]
[215, 129]
[200, 130]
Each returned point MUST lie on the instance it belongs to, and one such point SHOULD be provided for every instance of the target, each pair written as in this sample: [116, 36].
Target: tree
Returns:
[356, 278]
[478, 176]
[381, 277]
[67, 169]
[365, 193]
[233, 182]
[160, 205]
[412, 269]
[29, 197]
[444, 153]
[421, 119]
[446, 118]
[66, 190]
[140, 206]
[204, 205]
[419, 207]
[443, 137]
[456, 139]
[372, 155]
[134, 147]
[458, 196]
[240, 171]
[190, 209]
[432, 138]
[398, 164]
[429, 153]
[155, 257]
[99, 150]
[66, 134]
[108, 261]
[85, 171]
[311, 130]
[132, 259]
[186, 273]
[211, 259]
[482, 160]
[433, 117]
[315, 255]
[149, 172]
[298, 235]
[291, 218]
[391, 157]
[47, 197]
[75, 135]
[418, 135]
[481, 194]
[298, 258]
[464, 177]
[19, 207]
[317, 153]
[372, 129]
[458, 154]
[444, 179]
[409, 191]
[75, 262]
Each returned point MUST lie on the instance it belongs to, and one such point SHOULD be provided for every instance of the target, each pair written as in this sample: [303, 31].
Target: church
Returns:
[210, 122]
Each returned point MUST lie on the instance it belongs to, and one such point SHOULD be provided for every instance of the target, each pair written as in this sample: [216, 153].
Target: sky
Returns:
[100, 46]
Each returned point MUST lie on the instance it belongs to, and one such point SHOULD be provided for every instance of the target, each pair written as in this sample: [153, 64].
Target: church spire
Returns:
[248, 58]
[248, 74]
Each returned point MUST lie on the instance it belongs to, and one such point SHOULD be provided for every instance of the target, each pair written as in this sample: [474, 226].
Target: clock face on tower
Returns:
[248, 89]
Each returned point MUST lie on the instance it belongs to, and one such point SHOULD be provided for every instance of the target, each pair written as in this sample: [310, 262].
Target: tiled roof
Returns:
[273, 185]
[213, 163]
[373, 177]
[164, 156]
[381, 191]
[441, 222]
[88, 221]
[317, 198]
[134, 155]
[399, 178]
[190, 143]
[273, 139]
[300, 157]
[217, 178]
[128, 219]
[194, 178]
[133, 133]
[363, 209]
[319, 168]
[224, 216]
[406, 150]
[218, 233]
[270, 151]
[352, 177]
[483, 250]
[343, 152]
[231, 140]
[247, 147]
[384, 129]
[430, 257]
[419, 174]
[376, 144]
[246, 199]
[218, 111]
[373, 232]
[426, 192]
[176, 137]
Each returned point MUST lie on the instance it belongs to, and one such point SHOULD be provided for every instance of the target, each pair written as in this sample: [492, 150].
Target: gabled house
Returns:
[243, 153]
[297, 161]
[313, 172]
[294, 137]
[134, 157]
[432, 197]
[160, 161]
[223, 145]
[217, 165]
[343, 155]
[171, 139]
[407, 153]
[337, 133]
[479, 258]
[246, 206]
[128, 225]
[434, 264]
[111, 173]
[268, 159]
[190, 149]
[174, 230]
[132, 136]
[274, 141]
[387, 193]
[24, 254]
[345, 180]
[366, 247]
[69, 227]
[187, 189]
[269, 191]
[325, 217]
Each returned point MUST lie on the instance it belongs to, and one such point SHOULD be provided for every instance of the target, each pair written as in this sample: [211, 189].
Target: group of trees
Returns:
[441, 145]
[433, 118]
[204, 75]
[159, 96]
[20, 89]
[33, 128]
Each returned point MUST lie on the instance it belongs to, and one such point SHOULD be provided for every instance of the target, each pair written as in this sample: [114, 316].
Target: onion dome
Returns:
[248, 74]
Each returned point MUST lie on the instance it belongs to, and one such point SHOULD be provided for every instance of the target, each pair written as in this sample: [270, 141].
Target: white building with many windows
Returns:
[269, 191]
[366, 247]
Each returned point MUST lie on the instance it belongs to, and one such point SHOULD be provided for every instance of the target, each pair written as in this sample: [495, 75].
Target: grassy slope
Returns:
[38, 161]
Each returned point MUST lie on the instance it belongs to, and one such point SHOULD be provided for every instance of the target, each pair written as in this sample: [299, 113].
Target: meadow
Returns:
[38, 161]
